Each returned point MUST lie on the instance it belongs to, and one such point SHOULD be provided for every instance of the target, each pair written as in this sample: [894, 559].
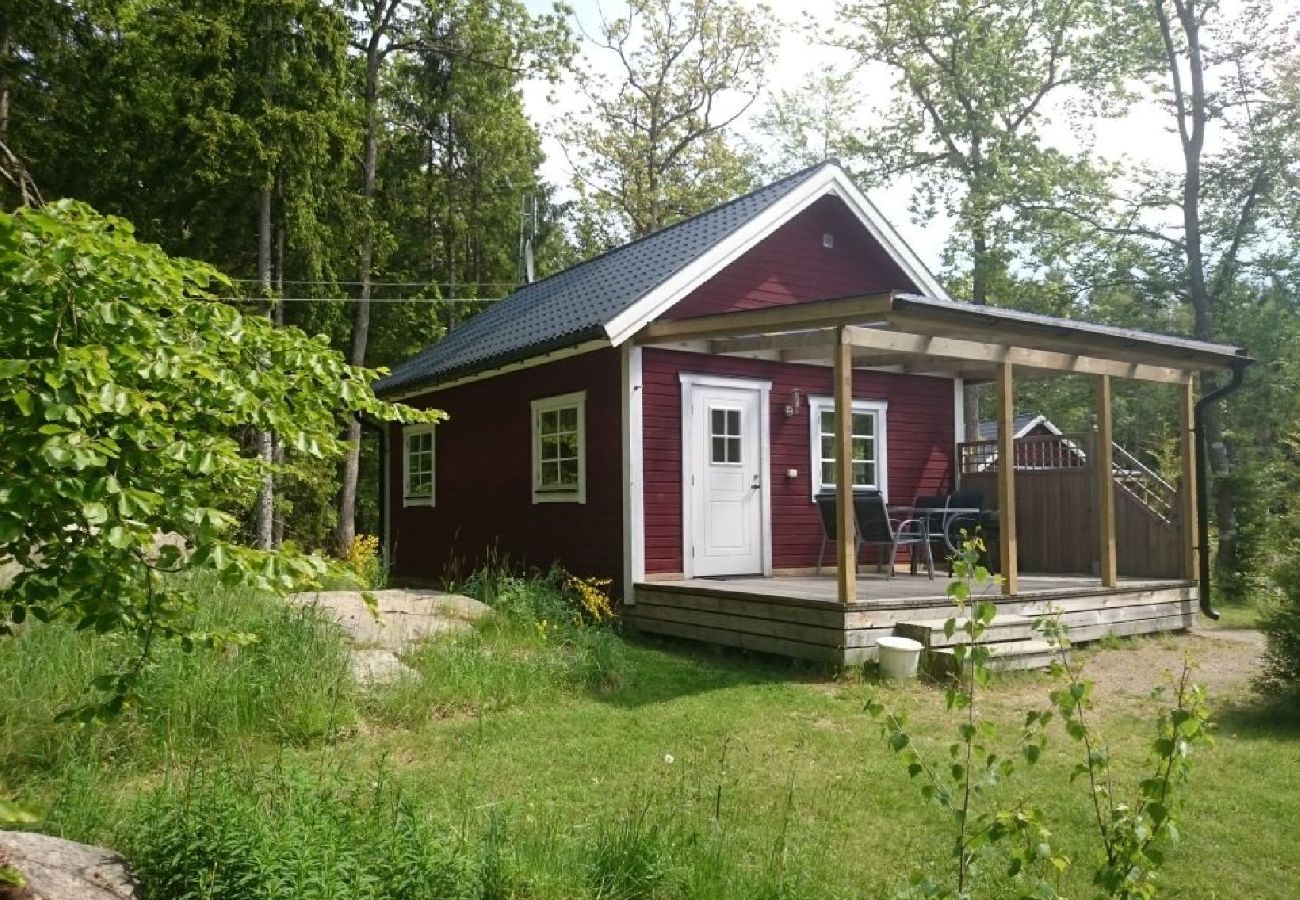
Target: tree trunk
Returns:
[1192, 113]
[277, 316]
[6, 50]
[979, 296]
[264, 515]
[347, 527]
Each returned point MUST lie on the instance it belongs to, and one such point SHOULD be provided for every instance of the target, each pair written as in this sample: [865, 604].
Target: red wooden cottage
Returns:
[666, 411]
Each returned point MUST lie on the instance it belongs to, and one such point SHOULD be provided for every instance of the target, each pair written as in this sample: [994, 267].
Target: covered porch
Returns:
[910, 334]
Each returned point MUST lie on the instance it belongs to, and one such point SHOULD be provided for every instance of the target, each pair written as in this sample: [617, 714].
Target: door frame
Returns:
[690, 457]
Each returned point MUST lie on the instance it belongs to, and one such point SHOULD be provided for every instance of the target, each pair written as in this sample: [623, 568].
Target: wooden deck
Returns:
[798, 616]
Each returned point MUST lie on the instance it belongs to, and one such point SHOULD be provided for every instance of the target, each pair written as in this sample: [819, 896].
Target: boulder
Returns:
[56, 869]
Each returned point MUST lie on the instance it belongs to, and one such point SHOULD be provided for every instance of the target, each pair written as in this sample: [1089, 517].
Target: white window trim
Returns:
[545, 404]
[818, 405]
[408, 432]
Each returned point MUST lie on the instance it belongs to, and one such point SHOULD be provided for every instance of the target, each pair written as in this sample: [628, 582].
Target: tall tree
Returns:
[653, 145]
[811, 122]
[430, 32]
[977, 84]
[1242, 79]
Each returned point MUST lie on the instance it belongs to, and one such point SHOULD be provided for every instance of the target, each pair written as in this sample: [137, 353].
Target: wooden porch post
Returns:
[1105, 465]
[846, 556]
[1007, 481]
[1191, 540]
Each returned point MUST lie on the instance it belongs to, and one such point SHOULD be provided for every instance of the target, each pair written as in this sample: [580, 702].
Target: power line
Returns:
[459, 284]
[357, 300]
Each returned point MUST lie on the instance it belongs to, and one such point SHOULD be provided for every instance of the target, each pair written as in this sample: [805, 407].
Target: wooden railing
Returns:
[1050, 451]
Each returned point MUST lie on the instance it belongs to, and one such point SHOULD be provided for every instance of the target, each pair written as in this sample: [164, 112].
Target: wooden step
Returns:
[1003, 628]
[1006, 656]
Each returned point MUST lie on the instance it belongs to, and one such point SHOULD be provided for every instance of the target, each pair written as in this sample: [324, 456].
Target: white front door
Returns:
[726, 493]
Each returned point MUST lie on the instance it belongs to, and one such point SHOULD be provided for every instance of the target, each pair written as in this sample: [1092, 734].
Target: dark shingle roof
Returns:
[575, 305]
[988, 431]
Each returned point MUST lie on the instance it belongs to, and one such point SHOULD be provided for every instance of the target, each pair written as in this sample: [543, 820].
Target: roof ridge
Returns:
[521, 308]
[806, 170]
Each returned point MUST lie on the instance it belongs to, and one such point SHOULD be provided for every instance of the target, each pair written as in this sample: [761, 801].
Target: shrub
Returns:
[1281, 625]
[364, 560]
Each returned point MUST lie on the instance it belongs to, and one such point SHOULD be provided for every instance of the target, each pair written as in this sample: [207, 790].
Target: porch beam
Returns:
[1187, 496]
[772, 319]
[820, 341]
[1007, 481]
[846, 553]
[934, 346]
[1140, 349]
[1105, 466]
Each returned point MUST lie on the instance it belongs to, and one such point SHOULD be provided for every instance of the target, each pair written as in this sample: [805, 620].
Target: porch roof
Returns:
[929, 335]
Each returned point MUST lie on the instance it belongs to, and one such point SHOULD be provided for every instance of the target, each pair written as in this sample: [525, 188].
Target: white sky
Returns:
[1142, 136]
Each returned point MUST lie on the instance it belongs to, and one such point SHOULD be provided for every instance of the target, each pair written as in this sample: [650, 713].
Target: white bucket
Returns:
[898, 657]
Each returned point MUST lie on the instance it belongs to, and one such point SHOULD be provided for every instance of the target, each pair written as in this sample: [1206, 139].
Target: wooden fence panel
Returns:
[1056, 513]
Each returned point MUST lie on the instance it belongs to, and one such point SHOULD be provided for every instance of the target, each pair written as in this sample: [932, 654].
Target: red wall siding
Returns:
[791, 265]
[483, 467]
[919, 435]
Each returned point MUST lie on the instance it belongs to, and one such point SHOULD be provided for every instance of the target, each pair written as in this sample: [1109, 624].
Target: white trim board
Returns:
[689, 381]
[829, 180]
[633, 472]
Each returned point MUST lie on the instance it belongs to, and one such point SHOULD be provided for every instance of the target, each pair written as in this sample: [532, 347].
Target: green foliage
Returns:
[1015, 835]
[652, 148]
[1281, 626]
[126, 387]
[1133, 835]
[291, 687]
[291, 834]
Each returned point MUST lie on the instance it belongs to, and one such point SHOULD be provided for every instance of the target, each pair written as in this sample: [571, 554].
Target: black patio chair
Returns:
[826, 508]
[968, 522]
[928, 509]
[875, 527]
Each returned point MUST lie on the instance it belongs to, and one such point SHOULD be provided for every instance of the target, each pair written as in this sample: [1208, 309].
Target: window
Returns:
[417, 459]
[724, 430]
[559, 449]
[868, 444]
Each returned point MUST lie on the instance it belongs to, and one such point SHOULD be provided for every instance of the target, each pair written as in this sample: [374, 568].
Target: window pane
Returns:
[718, 421]
[568, 418]
[568, 444]
[719, 450]
[828, 422]
[550, 473]
[550, 446]
[828, 447]
[869, 474]
[860, 473]
[569, 472]
[733, 449]
[864, 424]
[828, 474]
[550, 421]
[733, 421]
[860, 449]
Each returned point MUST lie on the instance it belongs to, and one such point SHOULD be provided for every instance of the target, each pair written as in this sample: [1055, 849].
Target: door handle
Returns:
[755, 485]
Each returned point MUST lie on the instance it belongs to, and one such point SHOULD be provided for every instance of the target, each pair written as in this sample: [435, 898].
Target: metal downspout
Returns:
[1202, 495]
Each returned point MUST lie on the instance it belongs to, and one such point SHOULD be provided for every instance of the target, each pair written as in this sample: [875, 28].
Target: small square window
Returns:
[867, 444]
[559, 447]
[725, 436]
[418, 465]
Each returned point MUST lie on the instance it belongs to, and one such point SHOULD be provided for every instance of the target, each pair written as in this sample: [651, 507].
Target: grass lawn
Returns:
[737, 777]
